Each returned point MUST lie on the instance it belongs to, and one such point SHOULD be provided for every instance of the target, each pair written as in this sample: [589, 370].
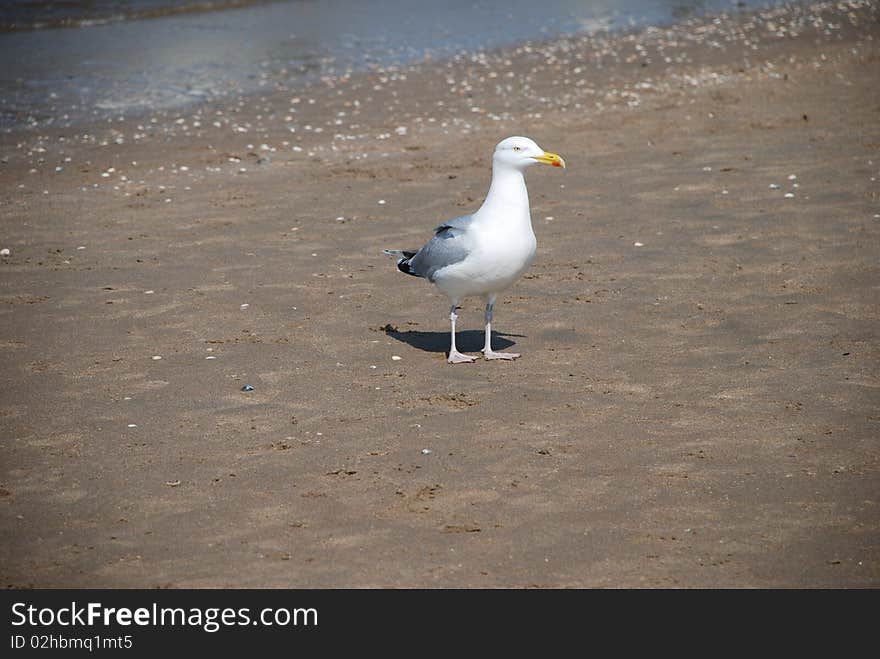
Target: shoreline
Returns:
[695, 404]
[187, 59]
[686, 55]
[203, 99]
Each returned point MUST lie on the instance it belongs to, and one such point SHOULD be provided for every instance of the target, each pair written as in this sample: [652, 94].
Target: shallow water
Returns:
[128, 57]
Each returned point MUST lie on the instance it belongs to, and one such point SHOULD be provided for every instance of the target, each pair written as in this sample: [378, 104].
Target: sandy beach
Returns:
[696, 404]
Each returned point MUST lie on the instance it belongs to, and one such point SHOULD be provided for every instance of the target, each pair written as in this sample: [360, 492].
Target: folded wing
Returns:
[450, 244]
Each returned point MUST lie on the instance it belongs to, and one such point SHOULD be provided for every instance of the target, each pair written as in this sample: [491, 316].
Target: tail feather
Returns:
[403, 259]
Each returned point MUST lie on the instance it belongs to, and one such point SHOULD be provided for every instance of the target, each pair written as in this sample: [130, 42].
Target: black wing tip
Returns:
[403, 263]
[403, 266]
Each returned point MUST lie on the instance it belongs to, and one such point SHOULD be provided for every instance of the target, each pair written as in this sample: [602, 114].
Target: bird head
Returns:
[521, 152]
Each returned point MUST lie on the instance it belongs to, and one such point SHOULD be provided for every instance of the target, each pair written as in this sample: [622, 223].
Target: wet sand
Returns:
[695, 406]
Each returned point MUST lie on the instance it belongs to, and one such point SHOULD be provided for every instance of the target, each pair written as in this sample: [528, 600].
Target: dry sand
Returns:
[697, 400]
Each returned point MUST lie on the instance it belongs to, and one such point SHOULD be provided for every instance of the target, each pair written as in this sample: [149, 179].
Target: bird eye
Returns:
[516, 148]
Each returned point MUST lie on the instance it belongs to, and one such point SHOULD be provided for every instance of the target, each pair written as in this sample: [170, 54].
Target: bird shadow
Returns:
[465, 340]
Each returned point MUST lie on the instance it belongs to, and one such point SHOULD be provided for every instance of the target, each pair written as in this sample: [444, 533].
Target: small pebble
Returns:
[5, 252]
[792, 177]
[210, 357]
[426, 451]
[396, 358]
[381, 201]
[789, 195]
[157, 357]
[244, 306]
[247, 387]
[132, 425]
[638, 244]
[774, 186]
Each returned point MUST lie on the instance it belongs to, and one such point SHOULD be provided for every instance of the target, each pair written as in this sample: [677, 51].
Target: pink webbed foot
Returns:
[458, 358]
[491, 354]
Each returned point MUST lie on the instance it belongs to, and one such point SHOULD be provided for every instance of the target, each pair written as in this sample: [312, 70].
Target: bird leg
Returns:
[455, 357]
[488, 353]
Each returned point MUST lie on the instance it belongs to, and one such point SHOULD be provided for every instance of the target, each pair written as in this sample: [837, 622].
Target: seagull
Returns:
[486, 252]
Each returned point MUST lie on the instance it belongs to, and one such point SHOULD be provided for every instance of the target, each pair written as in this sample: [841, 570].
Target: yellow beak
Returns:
[550, 159]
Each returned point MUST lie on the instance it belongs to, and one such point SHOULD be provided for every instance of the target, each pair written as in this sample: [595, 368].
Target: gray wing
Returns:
[450, 244]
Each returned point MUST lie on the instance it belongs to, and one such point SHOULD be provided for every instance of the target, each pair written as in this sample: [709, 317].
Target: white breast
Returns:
[501, 243]
[498, 259]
